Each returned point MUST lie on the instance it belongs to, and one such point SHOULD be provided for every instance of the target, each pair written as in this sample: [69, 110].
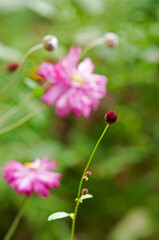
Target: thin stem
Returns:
[31, 51]
[81, 181]
[15, 222]
[17, 108]
[74, 220]
[92, 44]
[21, 121]
[14, 75]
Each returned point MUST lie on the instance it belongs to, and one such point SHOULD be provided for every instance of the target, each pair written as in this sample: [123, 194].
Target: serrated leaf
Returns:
[59, 215]
[87, 196]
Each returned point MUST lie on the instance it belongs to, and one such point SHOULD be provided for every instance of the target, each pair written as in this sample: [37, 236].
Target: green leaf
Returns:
[30, 83]
[87, 196]
[38, 91]
[9, 54]
[59, 215]
[42, 8]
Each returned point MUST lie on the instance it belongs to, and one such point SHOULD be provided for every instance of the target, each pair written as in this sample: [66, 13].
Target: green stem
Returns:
[21, 121]
[16, 109]
[31, 51]
[81, 181]
[92, 44]
[20, 106]
[14, 75]
[15, 222]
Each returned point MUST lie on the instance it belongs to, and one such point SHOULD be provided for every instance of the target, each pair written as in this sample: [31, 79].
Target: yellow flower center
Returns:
[77, 77]
[27, 164]
[33, 165]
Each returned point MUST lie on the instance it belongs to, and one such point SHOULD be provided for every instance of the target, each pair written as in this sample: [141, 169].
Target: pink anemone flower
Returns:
[32, 176]
[73, 88]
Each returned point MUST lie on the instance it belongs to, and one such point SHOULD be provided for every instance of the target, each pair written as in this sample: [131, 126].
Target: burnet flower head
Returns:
[74, 88]
[32, 176]
[111, 117]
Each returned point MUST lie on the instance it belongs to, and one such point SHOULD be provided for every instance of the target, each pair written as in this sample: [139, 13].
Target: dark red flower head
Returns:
[11, 67]
[111, 117]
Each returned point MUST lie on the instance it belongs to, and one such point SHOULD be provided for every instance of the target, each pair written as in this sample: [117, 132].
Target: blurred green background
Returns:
[125, 169]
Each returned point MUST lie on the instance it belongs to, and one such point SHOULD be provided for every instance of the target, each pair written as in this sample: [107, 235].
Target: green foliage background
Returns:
[125, 169]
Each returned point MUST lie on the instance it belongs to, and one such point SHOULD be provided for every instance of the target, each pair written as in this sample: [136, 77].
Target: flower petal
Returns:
[67, 65]
[47, 72]
[50, 179]
[41, 189]
[53, 93]
[46, 164]
[86, 66]
[62, 106]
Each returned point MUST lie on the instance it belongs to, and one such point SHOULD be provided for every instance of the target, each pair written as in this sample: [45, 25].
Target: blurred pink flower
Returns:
[32, 176]
[73, 87]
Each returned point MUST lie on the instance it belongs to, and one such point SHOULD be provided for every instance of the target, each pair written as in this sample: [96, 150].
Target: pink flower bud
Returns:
[50, 42]
[84, 191]
[111, 39]
[88, 173]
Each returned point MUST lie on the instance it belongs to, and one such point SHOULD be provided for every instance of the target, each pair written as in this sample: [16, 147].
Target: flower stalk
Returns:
[20, 105]
[81, 182]
[16, 109]
[21, 121]
[15, 74]
[92, 44]
[16, 221]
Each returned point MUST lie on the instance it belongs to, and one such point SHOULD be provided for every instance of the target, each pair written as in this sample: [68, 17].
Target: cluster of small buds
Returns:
[50, 42]
[87, 175]
[111, 39]
[111, 117]
[84, 191]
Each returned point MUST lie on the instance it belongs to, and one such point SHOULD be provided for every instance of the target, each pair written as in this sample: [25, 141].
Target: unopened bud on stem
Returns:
[88, 173]
[84, 191]
[111, 39]
[50, 42]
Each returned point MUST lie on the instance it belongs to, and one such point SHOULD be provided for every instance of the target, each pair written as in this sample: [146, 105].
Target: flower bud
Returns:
[12, 67]
[111, 39]
[88, 173]
[111, 117]
[84, 191]
[50, 42]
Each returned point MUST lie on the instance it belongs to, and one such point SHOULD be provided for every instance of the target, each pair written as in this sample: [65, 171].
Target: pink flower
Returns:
[74, 88]
[32, 177]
